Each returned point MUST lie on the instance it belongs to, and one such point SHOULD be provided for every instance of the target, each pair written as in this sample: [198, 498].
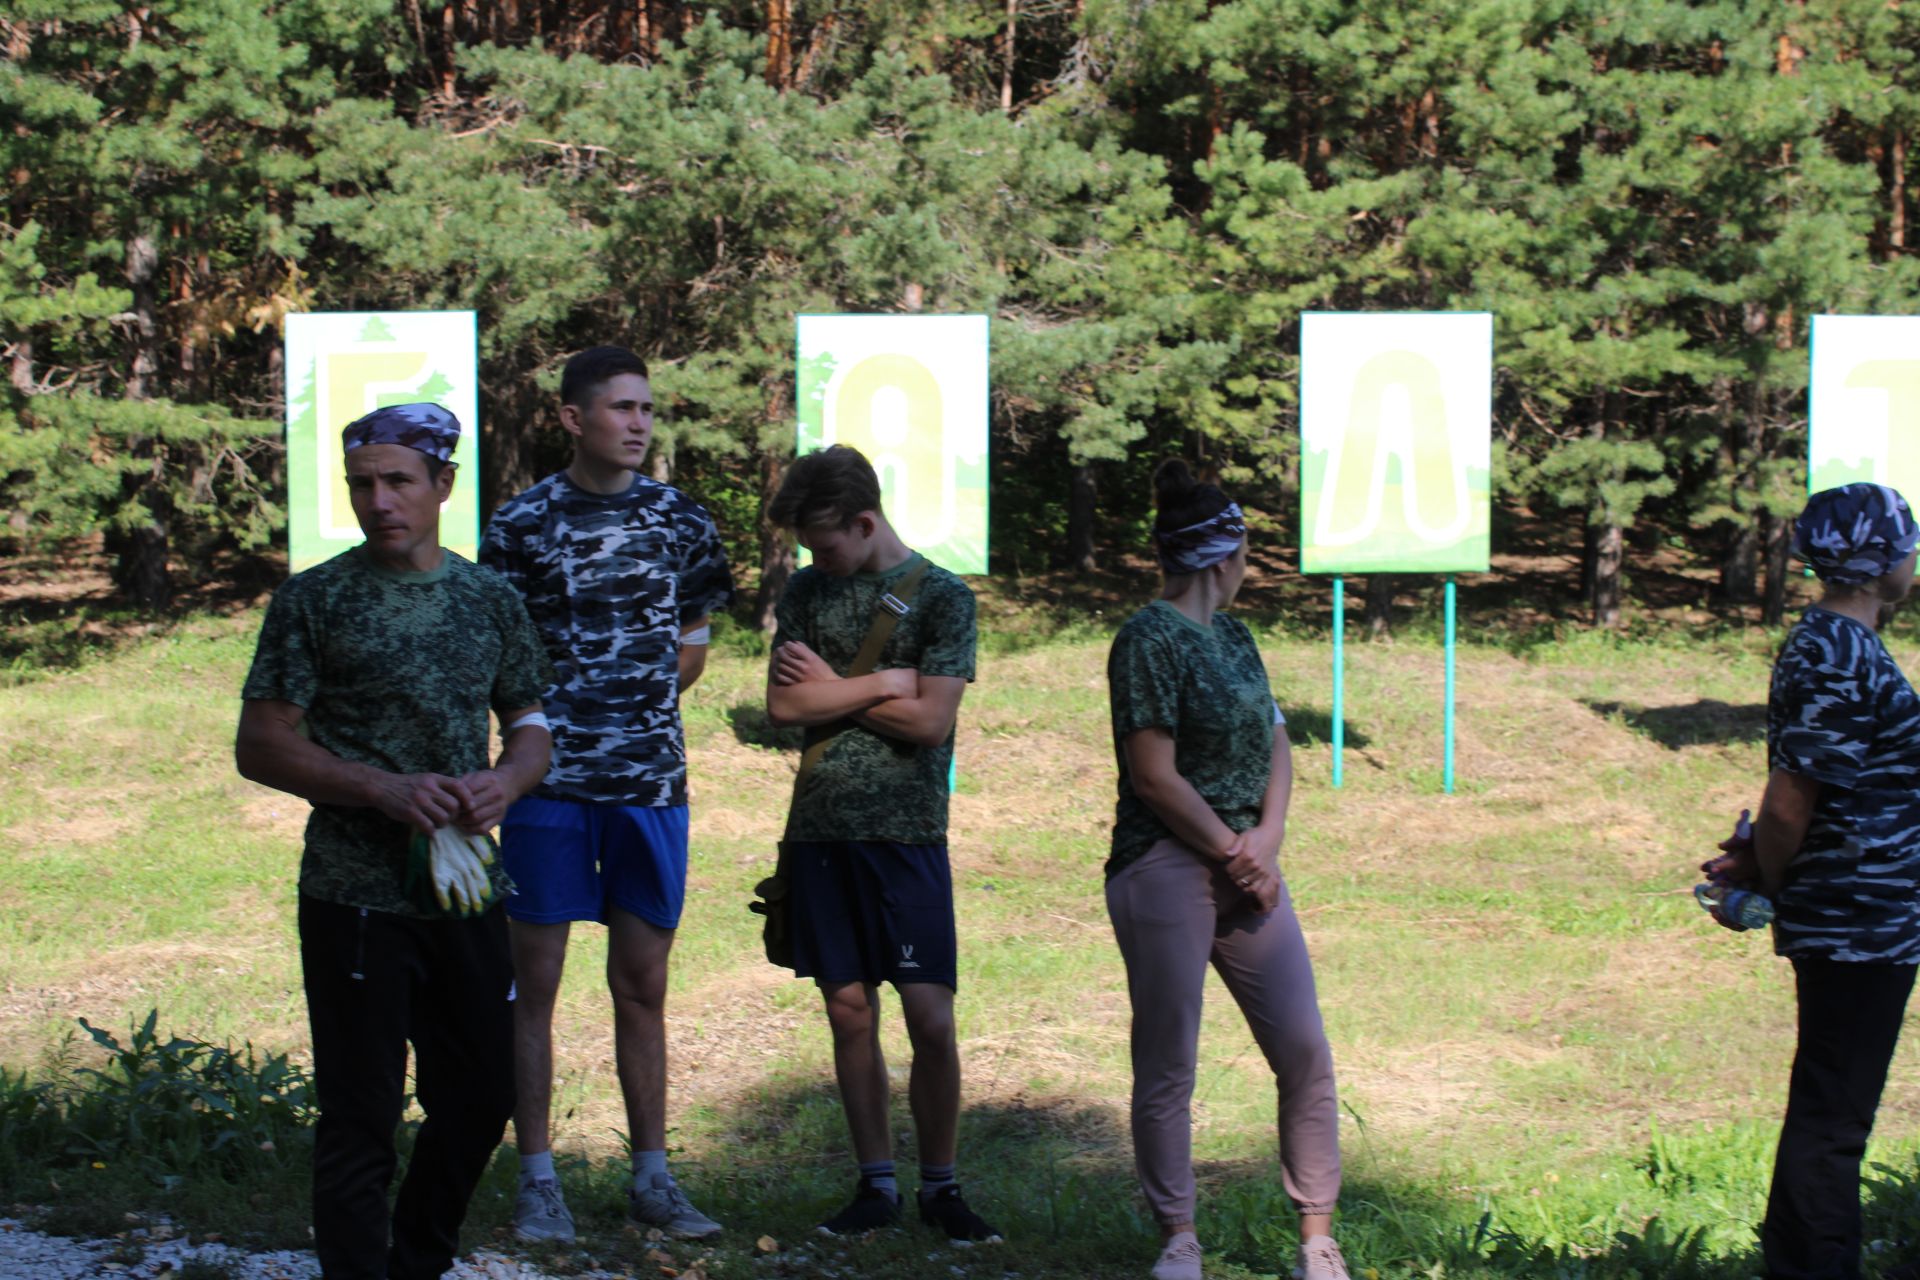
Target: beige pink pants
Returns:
[1174, 913]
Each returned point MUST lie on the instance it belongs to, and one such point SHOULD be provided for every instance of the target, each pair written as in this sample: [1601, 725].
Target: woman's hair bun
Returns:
[1181, 498]
[1173, 484]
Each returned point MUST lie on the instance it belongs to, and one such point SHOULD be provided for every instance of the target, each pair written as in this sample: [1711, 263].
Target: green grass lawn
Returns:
[1550, 1063]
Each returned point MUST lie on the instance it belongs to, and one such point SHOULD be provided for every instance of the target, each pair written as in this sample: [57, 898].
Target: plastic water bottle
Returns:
[1742, 908]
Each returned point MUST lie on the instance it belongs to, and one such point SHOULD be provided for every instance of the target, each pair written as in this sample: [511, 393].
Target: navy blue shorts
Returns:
[571, 860]
[871, 911]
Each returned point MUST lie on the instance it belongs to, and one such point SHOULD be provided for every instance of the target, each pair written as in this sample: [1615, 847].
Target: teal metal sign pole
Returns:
[1446, 771]
[1339, 674]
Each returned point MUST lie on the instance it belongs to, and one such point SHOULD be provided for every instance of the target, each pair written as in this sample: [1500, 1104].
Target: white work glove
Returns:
[458, 865]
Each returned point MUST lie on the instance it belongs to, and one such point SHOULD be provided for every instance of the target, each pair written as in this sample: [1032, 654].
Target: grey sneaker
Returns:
[1179, 1259]
[665, 1205]
[539, 1212]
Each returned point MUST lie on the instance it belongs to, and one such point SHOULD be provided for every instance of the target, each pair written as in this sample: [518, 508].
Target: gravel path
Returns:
[29, 1255]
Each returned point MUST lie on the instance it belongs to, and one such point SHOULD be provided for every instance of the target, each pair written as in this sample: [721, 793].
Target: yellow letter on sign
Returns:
[1900, 425]
[1432, 482]
[890, 408]
[350, 384]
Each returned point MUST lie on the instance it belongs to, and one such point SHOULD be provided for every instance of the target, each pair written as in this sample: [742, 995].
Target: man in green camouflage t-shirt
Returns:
[866, 853]
[368, 697]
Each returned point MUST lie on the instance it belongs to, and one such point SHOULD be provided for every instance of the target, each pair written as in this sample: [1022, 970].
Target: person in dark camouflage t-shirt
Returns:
[1206, 776]
[620, 573]
[869, 884]
[369, 696]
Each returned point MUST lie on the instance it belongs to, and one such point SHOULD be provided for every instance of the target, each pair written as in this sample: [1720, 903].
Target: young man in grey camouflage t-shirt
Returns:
[620, 573]
[870, 885]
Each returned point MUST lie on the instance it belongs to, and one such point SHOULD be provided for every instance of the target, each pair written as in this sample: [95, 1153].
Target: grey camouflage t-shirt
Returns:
[609, 580]
[396, 671]
[868, 786]
[1841, 712]
[1206, 686]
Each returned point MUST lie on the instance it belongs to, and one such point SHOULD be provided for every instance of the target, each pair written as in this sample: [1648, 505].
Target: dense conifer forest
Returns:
[1651, 196]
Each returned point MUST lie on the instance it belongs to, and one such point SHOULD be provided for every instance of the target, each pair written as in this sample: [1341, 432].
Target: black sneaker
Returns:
[869, 1210]
[947, 1210]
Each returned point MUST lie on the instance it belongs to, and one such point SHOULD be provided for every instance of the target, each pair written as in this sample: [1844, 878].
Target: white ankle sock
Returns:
[645, 1165]
[537, 1167]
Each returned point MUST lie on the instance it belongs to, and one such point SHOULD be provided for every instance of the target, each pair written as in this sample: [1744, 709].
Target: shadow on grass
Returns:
[59, 610]
[1313, 727]
[752, 728]
[1052, 1171]
[1891, 1216]
[1706, 721]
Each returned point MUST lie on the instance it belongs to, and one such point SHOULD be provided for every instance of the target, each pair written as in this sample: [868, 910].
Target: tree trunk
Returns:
[816, 48]
[621, 34]
[510, 428]
[776, 548]
[1608, 556]
[646, 31]
[1779, 540]
[449, 49]
[1006, 63]
[779, 43]
[21, 373]
[1740, 565]
[1589, 556]
[671, 19]
[418, 25]
[1897, 215]
[660, 461]
[1081, 498]
[143, 258]
[140, 563]
[1379, 606]
[140, 550]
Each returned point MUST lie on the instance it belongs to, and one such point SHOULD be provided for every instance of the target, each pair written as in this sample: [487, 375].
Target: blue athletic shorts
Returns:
[571, 860]
[871, 911]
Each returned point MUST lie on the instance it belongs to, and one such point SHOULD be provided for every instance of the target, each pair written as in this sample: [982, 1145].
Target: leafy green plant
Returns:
[172, 1108]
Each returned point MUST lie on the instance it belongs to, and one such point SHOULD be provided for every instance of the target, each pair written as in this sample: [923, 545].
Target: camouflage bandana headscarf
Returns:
[424, 427]
[1201, 546]
[1855, 533]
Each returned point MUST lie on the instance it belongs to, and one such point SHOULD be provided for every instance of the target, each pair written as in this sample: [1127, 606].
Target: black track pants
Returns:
[375, 982]
[1850, 1015]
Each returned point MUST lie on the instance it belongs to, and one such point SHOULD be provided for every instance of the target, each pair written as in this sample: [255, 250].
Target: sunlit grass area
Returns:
[1550, 1063]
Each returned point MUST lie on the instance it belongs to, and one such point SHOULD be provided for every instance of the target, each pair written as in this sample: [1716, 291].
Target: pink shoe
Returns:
[1320, 1260]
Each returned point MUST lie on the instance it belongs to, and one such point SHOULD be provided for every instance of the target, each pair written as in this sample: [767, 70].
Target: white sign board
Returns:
[909, 392]
[1396, 414]
[1863, 403]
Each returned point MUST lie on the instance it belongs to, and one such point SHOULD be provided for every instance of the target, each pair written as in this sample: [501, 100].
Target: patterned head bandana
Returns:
[425, 427]
[1855, 533]
[1201, 546]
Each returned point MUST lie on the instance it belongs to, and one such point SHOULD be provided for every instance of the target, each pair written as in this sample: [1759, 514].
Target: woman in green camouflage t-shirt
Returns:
[1194, 878]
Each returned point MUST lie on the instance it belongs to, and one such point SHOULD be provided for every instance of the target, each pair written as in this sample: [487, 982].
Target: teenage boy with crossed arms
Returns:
[869, 883]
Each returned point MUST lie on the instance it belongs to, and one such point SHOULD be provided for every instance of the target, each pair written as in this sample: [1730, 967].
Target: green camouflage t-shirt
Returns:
[868, 786]
[1205, 685]
[397, 671]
